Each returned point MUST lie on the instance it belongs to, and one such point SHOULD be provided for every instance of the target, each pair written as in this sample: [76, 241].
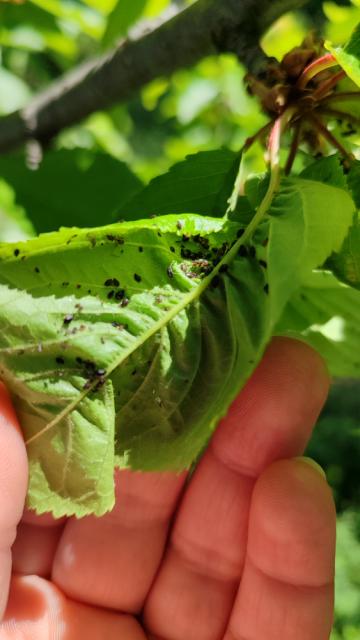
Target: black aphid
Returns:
[243, 251]
[37, 270]
[117, 239]
[179, 224]
[118, 325]
[170, 271]
[137, 278]
[16, 252]
[262, 263]
[119, 295]
[111, 282]
[224, 268]
[125, 302]
[60, 360]
[141, 249]
[68, 318]
[111, 294]
[266, 289]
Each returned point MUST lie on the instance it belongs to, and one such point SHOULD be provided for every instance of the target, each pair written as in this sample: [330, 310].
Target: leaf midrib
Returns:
[187, 299]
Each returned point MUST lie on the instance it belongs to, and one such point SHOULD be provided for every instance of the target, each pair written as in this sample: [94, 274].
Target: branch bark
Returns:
[205, 28]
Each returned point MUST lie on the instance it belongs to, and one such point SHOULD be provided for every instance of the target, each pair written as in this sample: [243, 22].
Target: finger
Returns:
[43, 520]
[36, 541]
[13, 484]
[37, 610]
[272, 417]
[287, 586]
[34, 549]
[111, 561]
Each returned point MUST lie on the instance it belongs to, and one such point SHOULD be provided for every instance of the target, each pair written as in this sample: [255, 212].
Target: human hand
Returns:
[244, 551]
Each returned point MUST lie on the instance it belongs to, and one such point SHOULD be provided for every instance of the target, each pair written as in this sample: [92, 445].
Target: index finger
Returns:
[13, 484]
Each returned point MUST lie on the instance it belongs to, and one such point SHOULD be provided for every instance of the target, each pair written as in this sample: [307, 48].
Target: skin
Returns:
[244, 551]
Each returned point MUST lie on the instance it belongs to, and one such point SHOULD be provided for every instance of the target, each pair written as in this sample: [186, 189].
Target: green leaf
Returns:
[256, 187]
[202, 183]
[121, 18]
[309, 222]
[150, 312]
[348, 56]
[353, 179]
[174, 355]
[70, 187]
[13, 223]
[326, 314]
[328, 170]
[14, 93]
[346, 263]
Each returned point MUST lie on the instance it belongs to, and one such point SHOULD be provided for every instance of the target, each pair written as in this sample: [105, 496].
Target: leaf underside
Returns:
[123, 347]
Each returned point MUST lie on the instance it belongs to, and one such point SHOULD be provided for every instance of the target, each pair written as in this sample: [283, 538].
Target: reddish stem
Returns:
[321, 64]
[274, 142]
[250, 141]
[328, 85]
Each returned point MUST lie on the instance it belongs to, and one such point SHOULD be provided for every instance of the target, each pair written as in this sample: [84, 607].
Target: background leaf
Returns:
[123, 15]
[328, 170]
[309, 221]
[353, 180]
[348, 56]
[70, 187]
[202, 183]
[326, 314]
[346, 263]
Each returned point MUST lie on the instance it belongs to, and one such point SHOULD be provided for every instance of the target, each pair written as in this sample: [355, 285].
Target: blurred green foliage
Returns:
[198, 109]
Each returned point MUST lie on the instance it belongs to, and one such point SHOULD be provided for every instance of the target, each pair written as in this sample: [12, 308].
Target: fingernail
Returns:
[312, 464]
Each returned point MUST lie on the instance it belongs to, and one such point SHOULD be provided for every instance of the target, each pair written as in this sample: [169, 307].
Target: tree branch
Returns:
[205, 28]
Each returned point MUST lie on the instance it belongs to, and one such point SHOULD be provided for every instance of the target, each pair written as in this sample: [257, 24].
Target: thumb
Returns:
[13, 484]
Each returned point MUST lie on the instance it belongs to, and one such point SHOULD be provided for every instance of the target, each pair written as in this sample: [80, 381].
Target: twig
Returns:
[206, 27]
